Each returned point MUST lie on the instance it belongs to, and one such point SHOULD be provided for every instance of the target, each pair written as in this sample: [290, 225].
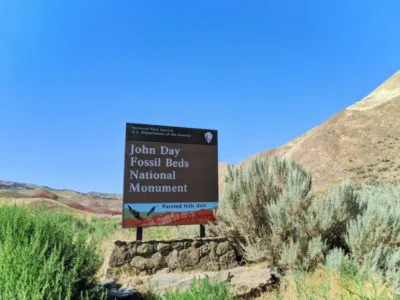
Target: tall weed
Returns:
[45, 255]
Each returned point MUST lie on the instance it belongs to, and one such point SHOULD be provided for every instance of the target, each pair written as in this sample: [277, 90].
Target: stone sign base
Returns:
[149, 257]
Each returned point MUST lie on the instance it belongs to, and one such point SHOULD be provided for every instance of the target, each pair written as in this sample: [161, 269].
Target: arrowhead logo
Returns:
[208, 136]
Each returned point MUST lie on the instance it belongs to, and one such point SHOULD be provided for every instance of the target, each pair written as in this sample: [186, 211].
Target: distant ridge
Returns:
[97, 203]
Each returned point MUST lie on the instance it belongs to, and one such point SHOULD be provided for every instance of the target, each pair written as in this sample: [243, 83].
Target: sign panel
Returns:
[170, 176]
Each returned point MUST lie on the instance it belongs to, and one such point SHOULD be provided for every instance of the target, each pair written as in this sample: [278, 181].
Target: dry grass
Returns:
[321, 284]
[51, 204]
[324, 284]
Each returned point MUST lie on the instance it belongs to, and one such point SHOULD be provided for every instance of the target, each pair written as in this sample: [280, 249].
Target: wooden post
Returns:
[202, 231]
[139, 233]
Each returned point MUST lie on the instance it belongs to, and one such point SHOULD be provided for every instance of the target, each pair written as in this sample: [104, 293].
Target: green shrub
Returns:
[288, 254]
[316, 250]
[374, 236]
[334, 259]
[45, 255]
[267, 209]
[392, 269]
[350, 268]
[378, 223]
[202, 289]
[332, 212]
[244, 215]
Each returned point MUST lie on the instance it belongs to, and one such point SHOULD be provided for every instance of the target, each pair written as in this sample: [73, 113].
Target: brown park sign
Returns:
[170, 176]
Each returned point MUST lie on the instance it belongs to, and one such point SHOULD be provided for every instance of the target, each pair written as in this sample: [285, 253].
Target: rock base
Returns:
[151, 257]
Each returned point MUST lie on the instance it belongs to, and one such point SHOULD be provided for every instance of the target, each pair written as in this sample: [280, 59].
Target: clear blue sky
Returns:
[72, 73]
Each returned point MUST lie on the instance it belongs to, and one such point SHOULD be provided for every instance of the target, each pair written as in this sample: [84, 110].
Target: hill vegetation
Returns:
[349, 235]
[269, 212]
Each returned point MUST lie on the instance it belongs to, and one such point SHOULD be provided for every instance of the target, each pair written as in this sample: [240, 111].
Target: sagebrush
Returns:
[268, 210]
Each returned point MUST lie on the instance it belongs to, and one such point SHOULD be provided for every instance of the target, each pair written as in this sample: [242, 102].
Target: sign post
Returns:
[139, 233]
[202, 231]
[170, 176]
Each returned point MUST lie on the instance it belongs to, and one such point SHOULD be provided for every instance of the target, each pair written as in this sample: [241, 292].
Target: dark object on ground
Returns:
[277, 272]
[229, 277]
[124, 293]
[109, 283]
[116, 291]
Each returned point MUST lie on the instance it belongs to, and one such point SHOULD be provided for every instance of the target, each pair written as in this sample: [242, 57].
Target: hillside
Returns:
[96, 203]
[360, 143]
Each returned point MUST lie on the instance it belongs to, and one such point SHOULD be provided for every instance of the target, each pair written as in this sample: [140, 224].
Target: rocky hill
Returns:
[360, 143]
